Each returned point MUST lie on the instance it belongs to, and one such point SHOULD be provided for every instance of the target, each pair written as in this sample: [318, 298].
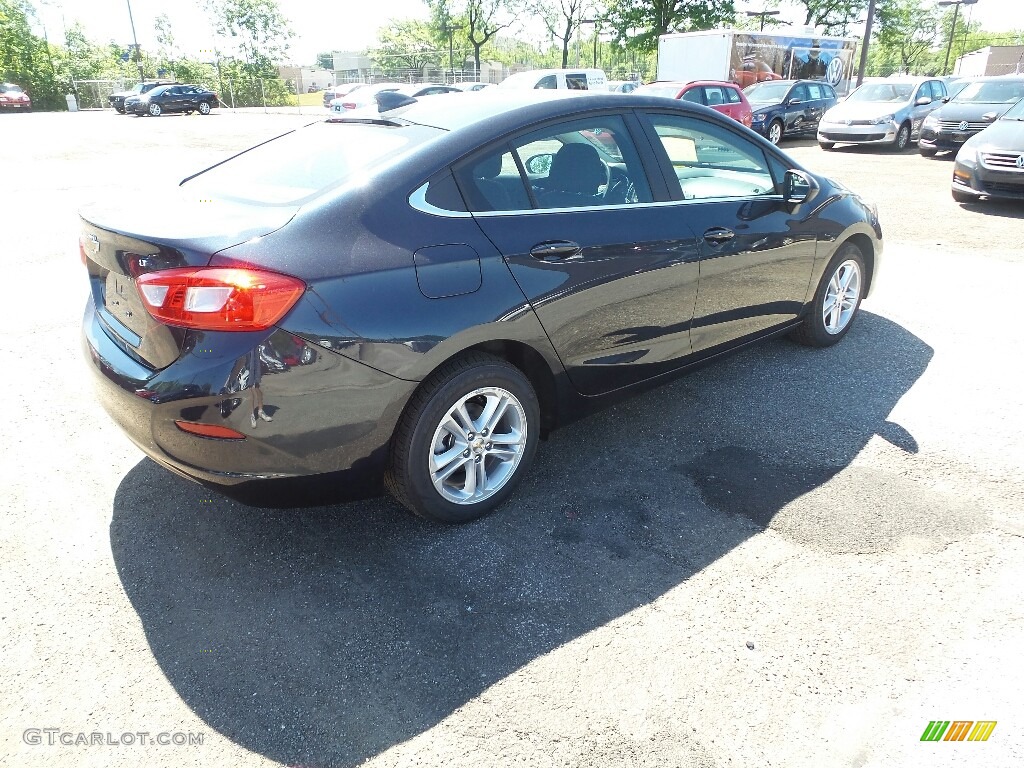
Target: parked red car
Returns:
[13, 98]
[723, 97]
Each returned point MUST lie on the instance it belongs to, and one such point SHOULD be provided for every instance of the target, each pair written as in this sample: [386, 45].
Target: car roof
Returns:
[528, 106]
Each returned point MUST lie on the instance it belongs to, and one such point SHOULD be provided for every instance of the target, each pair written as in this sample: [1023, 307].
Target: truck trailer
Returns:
[746, 58]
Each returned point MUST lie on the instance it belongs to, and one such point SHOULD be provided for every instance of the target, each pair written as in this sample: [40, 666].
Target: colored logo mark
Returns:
[958, 730]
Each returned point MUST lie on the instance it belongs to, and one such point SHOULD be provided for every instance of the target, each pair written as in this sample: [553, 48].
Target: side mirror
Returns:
[539, 165]
[798, 187]
[922, 101]
[945, 99]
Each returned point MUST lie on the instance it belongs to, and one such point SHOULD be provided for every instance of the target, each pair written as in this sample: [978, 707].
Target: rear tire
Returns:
[836, 301]
[476, 414]
[204, 108]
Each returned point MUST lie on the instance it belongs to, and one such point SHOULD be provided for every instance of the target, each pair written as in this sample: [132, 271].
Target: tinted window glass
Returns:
[548, 83]
[576, 82]
[693, 95]
[592, 162]
[732, 95]
[442, 193]
[710, 161]
[492, 182]
[713, 96]
[800, 93]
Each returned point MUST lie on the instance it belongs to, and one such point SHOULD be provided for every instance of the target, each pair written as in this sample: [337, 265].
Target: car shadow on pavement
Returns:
[1004, 209]
[321, 637]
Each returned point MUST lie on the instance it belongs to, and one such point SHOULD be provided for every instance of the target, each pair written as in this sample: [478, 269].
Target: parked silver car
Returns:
[886, 112]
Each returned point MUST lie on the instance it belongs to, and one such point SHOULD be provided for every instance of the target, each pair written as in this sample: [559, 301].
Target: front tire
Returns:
[962, 197]
[465, 440]
[155, 110]
[927, 151]
[775, 131]
[902, 138]
[836, 301]
[826, 145]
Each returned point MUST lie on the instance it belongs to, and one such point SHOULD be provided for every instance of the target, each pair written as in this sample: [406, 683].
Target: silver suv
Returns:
[886, 112]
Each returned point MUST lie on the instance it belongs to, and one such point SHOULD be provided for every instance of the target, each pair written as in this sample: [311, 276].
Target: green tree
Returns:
[406, 45]
[908, 32]
[562, 20]
[28, 60]
[258, 28]
[639, 23]
[483, 20]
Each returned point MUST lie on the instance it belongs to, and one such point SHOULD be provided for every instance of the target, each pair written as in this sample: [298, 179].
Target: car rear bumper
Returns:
[326, 412]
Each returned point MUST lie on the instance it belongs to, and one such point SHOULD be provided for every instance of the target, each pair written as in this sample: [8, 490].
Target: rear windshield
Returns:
[300, 165]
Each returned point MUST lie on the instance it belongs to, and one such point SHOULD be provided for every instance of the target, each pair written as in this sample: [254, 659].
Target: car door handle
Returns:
[554, 250]
[719, 235]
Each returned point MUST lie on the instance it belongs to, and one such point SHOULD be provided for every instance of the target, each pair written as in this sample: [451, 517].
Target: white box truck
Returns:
[746, 58]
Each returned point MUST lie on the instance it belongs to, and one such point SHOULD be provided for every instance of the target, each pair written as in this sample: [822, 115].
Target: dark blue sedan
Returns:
[419, 294]
[789, 107]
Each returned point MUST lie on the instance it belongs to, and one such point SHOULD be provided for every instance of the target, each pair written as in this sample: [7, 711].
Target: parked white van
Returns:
[555, 79]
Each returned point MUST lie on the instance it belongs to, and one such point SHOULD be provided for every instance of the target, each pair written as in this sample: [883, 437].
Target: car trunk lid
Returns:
[119, 244]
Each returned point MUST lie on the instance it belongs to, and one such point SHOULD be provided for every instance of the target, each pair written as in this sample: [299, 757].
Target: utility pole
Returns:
[868, 23]
[450, 29]
[138, 53]
[952, 32]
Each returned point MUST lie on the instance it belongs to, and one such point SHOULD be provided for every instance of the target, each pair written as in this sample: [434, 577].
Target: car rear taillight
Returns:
[219, 298]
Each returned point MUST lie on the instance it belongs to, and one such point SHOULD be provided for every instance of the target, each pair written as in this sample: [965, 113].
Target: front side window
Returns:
[710, 161]
[815, 92]
[585, 163]
[714, 96]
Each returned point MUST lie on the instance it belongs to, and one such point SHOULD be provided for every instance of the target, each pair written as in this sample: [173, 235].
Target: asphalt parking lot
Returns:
[791, 558]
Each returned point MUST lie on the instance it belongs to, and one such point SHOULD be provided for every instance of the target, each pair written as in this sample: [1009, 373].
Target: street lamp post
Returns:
[595, 22]
[138, 53]
[952, 32]
[763, 14]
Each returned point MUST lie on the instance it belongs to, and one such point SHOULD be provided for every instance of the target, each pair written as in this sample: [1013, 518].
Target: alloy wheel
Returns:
[841, 297]
[478, 445]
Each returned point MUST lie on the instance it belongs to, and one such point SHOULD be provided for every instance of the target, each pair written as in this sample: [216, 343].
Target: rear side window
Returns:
[300, 165]
[550, 82]
[576, 82]
[732, 95]
[714, 96]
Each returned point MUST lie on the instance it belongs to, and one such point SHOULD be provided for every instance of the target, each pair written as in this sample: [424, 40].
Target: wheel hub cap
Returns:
[478, 445]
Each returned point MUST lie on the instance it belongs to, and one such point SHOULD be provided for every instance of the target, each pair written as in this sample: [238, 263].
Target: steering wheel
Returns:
[619, 188]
